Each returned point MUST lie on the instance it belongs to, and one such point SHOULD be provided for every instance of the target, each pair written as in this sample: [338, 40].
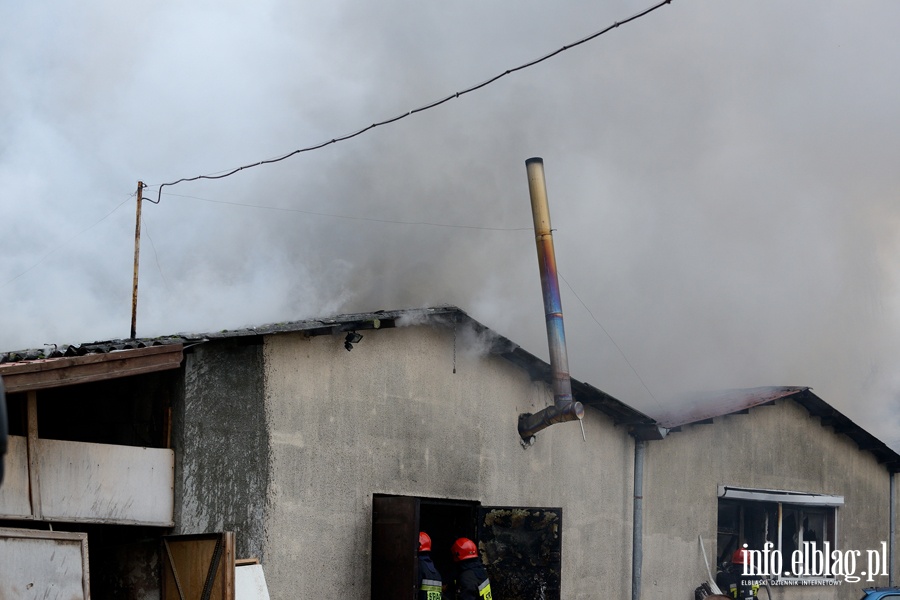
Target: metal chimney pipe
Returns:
[564, 408]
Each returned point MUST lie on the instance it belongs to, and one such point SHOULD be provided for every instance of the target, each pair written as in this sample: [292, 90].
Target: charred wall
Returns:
[221, 444]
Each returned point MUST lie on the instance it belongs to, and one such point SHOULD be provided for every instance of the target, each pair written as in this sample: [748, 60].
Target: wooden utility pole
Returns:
[137, 254]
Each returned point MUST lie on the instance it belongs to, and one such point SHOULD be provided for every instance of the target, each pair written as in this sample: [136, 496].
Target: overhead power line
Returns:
[435, 104]
[353, 217]
[602, 328]
[62, 245]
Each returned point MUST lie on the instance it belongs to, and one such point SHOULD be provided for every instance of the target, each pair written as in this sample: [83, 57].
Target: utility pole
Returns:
[137, 254]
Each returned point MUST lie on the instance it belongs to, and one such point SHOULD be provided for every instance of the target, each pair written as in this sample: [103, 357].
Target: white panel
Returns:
[14, 501]
[250, 583]
[43, 564]
[106, 483]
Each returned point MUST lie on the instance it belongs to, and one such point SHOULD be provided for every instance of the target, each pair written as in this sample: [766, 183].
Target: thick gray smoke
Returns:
[722, 179]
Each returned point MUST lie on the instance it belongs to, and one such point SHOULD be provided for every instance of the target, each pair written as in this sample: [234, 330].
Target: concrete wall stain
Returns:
[222, 445]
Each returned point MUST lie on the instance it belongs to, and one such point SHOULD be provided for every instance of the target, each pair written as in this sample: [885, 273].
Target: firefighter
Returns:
[472, 582]
[430, 585]
[733, 582]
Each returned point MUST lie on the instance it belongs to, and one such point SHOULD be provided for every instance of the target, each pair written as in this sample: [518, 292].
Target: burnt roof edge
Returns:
[816, 407]
[843, 425]
[640, 425]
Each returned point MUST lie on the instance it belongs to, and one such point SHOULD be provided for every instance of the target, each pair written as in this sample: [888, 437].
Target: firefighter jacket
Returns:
[430, 583]
[472, 582]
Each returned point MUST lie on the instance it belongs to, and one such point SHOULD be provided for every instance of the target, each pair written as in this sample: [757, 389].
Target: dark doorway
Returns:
[521, 547]
[396, 523]
[446, 521]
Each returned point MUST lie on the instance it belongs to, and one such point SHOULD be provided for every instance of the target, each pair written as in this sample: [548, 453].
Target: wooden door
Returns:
[395, 538]
[198, 567]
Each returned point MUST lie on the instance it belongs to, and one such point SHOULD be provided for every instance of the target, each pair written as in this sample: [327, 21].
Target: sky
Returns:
[722, 179]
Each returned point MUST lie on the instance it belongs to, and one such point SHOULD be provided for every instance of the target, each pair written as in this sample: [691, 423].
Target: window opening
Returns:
[16, 414]
[786, 526]
[128, 411]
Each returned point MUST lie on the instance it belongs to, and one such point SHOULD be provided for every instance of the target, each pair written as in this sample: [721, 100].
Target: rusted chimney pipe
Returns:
[564, 408]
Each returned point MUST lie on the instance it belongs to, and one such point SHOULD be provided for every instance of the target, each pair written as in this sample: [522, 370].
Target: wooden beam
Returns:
[57, 372]
[34, 475]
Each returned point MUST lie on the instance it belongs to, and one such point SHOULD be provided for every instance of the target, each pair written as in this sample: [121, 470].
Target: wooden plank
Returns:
[227, 566]
[64, 362]
[168, 427]
[105, 483]
[44, 564]
[57, 372]
[15, 502]
[34, 476]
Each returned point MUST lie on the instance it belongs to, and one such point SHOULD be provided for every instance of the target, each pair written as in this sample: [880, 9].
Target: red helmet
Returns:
[424, 542]
[740, 556]
[463, 548]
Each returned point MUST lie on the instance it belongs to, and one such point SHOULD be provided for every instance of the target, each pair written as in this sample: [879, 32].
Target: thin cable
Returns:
[54, 250]
[600, 325]
[223, 174]
[155, 253]
[334, 216]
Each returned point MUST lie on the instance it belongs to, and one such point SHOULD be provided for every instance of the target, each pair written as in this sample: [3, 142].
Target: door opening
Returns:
[520, 547]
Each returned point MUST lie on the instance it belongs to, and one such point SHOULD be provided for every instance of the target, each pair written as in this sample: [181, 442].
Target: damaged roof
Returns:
[705, 408]
[702, 409]
[322, 326]
[447, 316]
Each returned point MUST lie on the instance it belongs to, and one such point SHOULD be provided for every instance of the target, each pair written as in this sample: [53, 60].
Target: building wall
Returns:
[773, 447]
[393, 417]
[221, 443]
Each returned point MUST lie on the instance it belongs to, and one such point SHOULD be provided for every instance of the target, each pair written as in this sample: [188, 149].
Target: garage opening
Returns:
[520, 546]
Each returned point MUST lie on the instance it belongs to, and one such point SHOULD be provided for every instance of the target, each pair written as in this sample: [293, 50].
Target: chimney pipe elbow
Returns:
[530, 424]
